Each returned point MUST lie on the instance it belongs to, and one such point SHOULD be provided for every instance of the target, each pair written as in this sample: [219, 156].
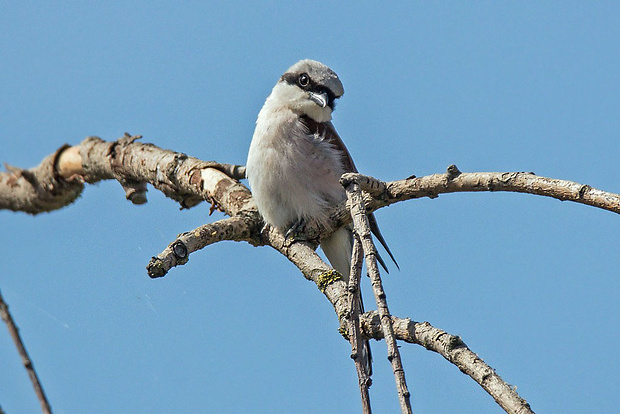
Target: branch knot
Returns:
[453, 172]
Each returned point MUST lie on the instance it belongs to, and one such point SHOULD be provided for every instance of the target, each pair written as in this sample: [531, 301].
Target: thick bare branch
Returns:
[39, 189]
[19, 344]
[58, 180]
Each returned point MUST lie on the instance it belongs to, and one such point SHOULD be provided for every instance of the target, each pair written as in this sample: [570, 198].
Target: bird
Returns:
[296, 159]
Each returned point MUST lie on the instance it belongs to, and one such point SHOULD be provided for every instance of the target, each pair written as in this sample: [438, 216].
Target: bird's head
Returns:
[309, 88]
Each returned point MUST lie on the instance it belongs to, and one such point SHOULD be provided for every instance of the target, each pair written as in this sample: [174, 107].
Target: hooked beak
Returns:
[320, 99]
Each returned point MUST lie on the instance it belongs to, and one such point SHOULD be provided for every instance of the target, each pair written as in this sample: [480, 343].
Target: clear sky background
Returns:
[530, 283]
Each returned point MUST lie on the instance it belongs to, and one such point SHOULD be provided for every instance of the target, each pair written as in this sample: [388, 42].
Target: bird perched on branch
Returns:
[296, 159]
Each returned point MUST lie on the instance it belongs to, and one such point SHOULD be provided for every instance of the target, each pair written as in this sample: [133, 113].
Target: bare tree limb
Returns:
[58, 181]
[19, 344]
[38, 189]
[303, 256]
[454, 181]
[235, 228]
[453, 349]
[362, 228]
[355, 336]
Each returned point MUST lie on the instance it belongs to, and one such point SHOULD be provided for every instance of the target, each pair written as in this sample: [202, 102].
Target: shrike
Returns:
[296, 159]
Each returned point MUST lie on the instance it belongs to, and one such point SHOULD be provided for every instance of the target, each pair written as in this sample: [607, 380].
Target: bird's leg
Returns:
[296, 229]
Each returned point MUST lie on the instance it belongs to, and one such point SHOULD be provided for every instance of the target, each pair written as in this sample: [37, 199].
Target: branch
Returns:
[453, 349]
[355, 336]
[39, 189]
[19, 344]
[59, 179]
[58, 182]
[177, 253]
[362, 228]
[454, 181]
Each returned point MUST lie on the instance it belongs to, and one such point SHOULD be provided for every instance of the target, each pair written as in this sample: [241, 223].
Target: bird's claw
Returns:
[295, 230]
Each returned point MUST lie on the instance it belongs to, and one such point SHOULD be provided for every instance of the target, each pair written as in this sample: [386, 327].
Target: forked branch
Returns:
[59, 179]
[362, 229]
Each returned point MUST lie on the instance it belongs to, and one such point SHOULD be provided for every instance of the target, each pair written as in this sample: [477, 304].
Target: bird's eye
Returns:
[304, 80]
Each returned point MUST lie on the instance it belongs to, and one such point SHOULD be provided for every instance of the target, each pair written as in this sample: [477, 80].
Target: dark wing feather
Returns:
[349, 166]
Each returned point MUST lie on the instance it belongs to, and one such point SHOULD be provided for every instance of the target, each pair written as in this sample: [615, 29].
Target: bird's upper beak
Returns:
[321, 99]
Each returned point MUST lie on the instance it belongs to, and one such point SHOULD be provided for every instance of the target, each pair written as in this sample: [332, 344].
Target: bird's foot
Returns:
[296, 230]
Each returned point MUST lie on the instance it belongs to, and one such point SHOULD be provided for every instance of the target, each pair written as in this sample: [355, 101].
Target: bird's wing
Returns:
[349, 166]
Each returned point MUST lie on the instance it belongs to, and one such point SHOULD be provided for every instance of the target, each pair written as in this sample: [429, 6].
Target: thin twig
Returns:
[19, 344]
[362, 228]
[355, 336]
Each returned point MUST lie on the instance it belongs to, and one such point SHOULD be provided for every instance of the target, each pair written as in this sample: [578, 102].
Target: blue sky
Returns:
[531, 284]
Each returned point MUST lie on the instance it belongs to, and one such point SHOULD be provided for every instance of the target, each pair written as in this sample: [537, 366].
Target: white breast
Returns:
[292, 175]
